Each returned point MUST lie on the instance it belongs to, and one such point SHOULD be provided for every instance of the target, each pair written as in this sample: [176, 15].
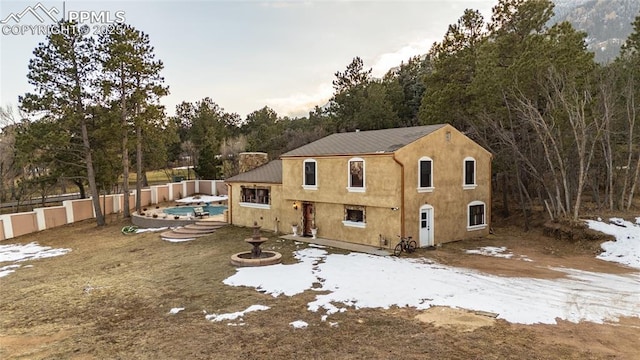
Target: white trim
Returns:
[40, 218]
[356, 189]
[364, 176]
[214, 187]
[484, 216]
[7, 225]
[356, 224]
[115, 203]
[68, 206]
[255, 205]
[464, 174]
[304, 174]
[154, 194]
[477, 227]
[425, 188]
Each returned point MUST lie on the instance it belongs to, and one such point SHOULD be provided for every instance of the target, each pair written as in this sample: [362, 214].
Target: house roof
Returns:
[270, 172]
[364, 142]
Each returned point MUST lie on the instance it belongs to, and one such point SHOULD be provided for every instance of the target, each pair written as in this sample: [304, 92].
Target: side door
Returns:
[426, 226]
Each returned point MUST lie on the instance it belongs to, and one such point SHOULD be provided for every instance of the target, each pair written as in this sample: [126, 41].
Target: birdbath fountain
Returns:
[256, 257]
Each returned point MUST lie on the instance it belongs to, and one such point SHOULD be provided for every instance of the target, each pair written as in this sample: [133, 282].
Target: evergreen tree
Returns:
[131, 79]
[62, 72]
[447, 97]
[359, 102]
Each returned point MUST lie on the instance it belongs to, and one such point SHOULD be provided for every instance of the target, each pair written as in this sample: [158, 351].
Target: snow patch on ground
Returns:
[286, 280]
[299, 324]
[23, 252]
[235, 315]
[317, 246]
[367, 281]
[138, 231]
[6, 270]
[174, 311]
[177, 240]
[494, 251]
[626, 249]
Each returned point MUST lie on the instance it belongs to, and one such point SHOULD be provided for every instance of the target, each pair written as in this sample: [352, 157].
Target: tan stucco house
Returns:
[429, 182]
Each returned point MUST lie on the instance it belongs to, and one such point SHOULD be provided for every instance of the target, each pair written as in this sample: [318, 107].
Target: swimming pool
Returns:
[186, 210]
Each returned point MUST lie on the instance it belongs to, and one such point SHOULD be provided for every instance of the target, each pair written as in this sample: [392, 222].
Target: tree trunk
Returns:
[522, 201]
[91, 175]
[126, 212]
[125, 174]
[138, 167]
[81, 190]
[634, 183]
[95, 196]
[505, 196]
[631, 119]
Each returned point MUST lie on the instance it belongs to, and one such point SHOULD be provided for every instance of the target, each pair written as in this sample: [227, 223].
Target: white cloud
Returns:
[299, 104]
[386, 61]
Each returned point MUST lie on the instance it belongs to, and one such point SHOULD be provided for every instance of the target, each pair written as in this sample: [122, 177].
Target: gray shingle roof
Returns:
[364, 142]
[270, 172]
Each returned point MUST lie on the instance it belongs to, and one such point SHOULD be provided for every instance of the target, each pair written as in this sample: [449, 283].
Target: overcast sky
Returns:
[245, 55]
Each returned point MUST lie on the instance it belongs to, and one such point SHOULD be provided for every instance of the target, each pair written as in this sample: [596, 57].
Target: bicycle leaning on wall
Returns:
[406, 244]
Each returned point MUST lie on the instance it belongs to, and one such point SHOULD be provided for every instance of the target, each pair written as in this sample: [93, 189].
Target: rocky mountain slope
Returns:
[606, 22]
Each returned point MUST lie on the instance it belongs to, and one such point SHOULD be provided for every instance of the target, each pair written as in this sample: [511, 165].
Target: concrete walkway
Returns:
[340, 245]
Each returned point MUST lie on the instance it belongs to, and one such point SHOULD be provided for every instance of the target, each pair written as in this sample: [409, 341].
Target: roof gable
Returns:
[364, 142]
[270, 172]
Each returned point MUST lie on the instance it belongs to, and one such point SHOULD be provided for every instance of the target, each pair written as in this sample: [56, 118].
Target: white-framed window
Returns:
[469, 173]
[255, 197]
[425, 174]
[354, 216]
[476, 218]
[356, 175]
[310, 174]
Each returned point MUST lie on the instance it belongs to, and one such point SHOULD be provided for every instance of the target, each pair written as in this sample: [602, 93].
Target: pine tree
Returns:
[131, 81]
[62, 72]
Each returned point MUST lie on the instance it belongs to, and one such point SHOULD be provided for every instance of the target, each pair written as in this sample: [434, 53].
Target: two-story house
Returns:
[430, 182]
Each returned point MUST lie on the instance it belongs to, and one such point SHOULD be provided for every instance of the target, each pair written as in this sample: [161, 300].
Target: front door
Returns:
[426, 226]
[307, 216]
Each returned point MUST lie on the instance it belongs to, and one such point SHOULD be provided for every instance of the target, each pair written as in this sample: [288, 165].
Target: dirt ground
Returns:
[109, 298]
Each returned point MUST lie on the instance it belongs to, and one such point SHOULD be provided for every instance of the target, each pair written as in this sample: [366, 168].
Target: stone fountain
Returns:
[256, 257]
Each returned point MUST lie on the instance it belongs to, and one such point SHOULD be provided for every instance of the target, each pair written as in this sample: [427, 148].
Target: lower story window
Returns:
[476, 215]
[256, 195]
[354, 216]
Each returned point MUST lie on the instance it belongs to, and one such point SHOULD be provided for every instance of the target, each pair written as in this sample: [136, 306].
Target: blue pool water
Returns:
[186, 210]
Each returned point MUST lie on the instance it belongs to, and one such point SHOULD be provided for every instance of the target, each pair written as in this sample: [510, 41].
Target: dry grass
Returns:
[110, 297]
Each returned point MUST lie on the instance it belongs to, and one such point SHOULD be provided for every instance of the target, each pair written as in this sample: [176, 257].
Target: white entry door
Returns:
[426, 226]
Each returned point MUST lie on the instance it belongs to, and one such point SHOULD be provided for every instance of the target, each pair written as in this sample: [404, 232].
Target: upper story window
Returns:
[469, 173]
[425, 174]
[310, 175]
[477, 219]
[356, 175]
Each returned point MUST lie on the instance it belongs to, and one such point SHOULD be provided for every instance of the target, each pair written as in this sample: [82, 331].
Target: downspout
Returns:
[402, 232]
[229, 203]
